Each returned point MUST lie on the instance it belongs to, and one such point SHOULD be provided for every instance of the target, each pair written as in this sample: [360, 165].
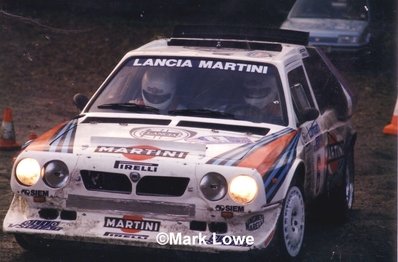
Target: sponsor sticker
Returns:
[314, 130]
[141, 152]
[206, 64]
[228, 208]
[35, 193]
[311, 131]
[335, 155]
[136, 166]
[161, 133]
[335, 151]
[255, 222]
[125, 236]
[132, 224]
[38, 225]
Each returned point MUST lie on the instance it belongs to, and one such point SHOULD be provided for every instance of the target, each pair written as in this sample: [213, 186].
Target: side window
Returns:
[301, 94]
[326, 87]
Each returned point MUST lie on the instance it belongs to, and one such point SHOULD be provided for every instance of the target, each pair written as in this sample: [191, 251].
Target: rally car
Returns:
[223, 134]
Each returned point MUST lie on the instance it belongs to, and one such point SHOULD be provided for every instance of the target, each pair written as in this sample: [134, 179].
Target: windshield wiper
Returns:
[202, 112]
[131, 107]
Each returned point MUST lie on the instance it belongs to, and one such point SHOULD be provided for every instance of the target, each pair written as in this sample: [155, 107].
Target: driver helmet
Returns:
[158, 89]
[260, 92]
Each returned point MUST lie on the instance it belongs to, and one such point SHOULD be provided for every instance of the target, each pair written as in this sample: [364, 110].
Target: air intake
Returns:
[162, 186]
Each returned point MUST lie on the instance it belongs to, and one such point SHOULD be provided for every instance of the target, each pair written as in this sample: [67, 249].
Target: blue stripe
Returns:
[234, 156]
[261, 143]
[280, 162]
[221, 159]
[72, 142]
[282, 168]
[63, 137]
[68, 138]
[55, 141]
[265, 141]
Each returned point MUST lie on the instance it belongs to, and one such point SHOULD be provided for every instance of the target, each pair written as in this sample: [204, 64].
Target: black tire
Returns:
[341, 198]
[32, 243]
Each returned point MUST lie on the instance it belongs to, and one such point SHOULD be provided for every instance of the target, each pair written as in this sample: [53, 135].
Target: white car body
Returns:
[140, 150]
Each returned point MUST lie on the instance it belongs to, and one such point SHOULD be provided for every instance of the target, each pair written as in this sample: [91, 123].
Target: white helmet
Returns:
[259, 92]
[158, 89]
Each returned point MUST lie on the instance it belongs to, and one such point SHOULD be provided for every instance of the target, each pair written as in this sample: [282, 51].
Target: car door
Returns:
[335, 106]
[313, 136]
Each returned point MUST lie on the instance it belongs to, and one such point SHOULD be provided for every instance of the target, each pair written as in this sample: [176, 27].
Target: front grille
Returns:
[162, 186]
[106, 182]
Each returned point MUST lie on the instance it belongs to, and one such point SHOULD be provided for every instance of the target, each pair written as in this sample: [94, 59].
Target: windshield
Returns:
[224, 89]
[335, 9]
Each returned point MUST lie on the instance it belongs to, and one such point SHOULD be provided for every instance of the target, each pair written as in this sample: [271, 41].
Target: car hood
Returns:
[326, 27]
[143, 142]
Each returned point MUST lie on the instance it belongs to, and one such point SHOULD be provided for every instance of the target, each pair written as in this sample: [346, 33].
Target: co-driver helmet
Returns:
[260, 91]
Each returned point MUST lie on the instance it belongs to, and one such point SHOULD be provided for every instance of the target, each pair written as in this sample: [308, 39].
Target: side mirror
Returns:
[309, 114]
[80, 101]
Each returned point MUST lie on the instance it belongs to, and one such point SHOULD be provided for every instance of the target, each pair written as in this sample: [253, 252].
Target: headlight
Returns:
[28, 172]
[243, 189]
[348, 39]
[55, 173]
[213, 186]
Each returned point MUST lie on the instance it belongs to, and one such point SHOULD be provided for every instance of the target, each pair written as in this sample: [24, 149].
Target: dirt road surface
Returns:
[41, 68]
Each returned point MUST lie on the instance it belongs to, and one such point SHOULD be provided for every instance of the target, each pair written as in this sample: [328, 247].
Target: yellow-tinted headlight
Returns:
[243, 189]
[28, 172]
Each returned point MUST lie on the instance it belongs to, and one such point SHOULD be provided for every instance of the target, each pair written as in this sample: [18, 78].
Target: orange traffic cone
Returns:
[392, 129]
[7, 133]
[32, 136]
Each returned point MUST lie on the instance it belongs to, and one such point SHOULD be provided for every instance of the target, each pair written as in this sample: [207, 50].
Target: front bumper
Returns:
[242, 232]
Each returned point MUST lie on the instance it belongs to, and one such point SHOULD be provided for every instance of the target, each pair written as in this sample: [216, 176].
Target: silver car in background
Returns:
[337, 26]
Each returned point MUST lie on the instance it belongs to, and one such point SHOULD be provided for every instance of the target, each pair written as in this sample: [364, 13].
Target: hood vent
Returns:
[111, 120]
[242, 129]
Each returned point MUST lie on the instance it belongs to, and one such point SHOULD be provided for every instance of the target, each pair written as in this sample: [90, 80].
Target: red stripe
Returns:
[42, 143]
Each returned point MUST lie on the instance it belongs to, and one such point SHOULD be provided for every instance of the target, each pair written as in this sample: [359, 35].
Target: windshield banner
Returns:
[205, 64]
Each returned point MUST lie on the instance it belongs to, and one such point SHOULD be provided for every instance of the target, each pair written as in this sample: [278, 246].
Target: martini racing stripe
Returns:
[269, 139]
[265, 157]
[278, 140]
[64, 139]
[231, 158]
[274, 179]
[224, 158]
[43, 142]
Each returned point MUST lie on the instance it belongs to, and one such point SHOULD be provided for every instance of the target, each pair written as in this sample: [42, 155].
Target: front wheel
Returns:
[291, 225]
[33, 243]
[293, 221]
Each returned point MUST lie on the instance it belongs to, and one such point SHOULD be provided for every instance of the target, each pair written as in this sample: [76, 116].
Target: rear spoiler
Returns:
[239, 34]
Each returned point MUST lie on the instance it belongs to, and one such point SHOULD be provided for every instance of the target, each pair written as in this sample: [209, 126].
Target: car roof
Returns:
[254, 44]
